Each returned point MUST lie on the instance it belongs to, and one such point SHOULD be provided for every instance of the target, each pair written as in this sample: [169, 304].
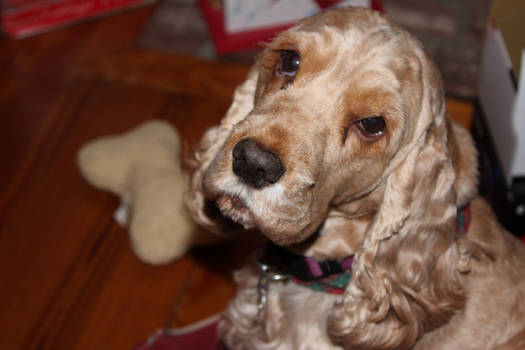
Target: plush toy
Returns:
[142, 166]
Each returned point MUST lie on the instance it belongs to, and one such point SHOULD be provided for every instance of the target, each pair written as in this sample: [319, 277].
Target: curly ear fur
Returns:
[212, 142]
[405, 277]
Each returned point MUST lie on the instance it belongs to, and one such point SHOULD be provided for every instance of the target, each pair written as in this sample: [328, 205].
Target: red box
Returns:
[22, 18]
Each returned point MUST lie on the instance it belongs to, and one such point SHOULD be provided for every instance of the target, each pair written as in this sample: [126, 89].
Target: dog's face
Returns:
[336, 98]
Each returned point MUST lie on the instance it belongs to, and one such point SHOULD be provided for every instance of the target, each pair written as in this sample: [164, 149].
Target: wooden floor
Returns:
[69, 279]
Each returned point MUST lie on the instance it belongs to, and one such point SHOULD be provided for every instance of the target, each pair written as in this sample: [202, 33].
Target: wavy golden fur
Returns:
[390, 198]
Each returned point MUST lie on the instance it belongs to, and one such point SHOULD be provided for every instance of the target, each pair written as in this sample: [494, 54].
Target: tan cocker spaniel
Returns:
[338, 145]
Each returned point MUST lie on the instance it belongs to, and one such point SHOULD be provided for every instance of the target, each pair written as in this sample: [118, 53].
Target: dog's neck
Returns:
[343, 231]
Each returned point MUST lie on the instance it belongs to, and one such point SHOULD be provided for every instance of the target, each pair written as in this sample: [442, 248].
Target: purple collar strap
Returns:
[298, 266]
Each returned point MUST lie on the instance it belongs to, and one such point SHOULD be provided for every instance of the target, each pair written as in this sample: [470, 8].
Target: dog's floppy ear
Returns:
[403, 281]
[211, 143]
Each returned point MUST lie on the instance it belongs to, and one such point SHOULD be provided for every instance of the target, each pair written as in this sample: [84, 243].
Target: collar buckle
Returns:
[267, 274]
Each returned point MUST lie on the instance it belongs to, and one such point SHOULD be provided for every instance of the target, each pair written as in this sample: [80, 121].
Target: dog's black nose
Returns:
[256, 166]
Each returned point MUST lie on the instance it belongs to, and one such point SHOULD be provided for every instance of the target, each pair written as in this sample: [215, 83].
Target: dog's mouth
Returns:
[284, 218]
[226, 223]
[236, 209]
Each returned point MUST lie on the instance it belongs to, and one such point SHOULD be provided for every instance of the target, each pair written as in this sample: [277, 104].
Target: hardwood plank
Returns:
[35, 111]
[121, 303]
[167, 73]
[194, 114]
[116, 33]
[208, 294]
[211, 286]
[48, 54]
[35, 71]
[53, 232]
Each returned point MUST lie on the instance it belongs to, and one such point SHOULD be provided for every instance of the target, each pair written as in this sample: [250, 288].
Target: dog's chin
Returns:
[284, 234]
[236, 209]
[285, 239]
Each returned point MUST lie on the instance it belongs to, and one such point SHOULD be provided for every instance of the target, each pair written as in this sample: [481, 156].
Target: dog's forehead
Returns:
[346, 18]
[343, 46]
[348, 35]
[348, 22]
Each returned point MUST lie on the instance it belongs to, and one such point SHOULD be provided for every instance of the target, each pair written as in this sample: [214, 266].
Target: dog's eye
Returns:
[372, 127]
[288, 63]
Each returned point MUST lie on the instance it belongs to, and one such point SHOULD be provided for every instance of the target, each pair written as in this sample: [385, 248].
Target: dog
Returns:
[338, 147]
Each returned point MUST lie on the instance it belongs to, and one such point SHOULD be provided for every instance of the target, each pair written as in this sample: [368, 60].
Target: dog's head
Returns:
[329, 110]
